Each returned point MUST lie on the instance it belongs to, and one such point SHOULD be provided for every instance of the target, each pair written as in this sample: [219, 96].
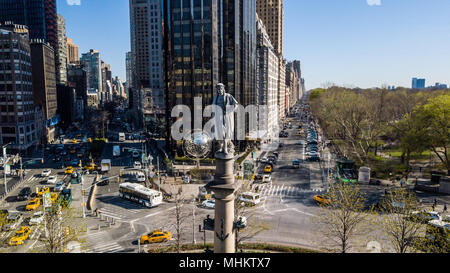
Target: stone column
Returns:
[224, 187]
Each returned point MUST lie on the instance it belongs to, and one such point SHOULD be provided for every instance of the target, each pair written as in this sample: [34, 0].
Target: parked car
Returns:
[425, 217]
[24, 194]
[209, 204]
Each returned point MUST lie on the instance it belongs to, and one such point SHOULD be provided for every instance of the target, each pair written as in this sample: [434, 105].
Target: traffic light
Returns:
[42, 161]
[82, 192]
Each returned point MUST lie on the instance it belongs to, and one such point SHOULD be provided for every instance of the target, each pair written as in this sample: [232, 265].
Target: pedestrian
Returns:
[445, 208]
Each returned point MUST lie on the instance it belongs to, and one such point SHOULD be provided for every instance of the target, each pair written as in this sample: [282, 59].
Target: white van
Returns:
[140, 177]
[122, 137]
[250, 198]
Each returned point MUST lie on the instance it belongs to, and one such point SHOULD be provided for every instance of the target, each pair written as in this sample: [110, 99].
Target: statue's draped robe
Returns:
[224, 127]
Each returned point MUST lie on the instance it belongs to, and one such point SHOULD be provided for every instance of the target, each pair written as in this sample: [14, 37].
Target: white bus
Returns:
[122, 137]
[140, 194]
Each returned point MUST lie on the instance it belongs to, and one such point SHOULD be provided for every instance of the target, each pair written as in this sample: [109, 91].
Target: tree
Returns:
[341, 219]
[434, 118]
[60, 227]
[180, 216]
[254, 226]
[397, 207]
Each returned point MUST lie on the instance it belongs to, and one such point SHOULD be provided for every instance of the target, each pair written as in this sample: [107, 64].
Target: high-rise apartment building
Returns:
[44, 86]
[77, 78]
[418, 83]
[92, 64]
[267, 81]
[146, 28]
[211, 41]
[129, 69]
[272, 14]
[17, 115]
[106, 77]
[61, 53]
[73, 52]
[282, 88]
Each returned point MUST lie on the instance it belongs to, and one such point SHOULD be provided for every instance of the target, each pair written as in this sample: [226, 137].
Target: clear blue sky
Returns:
[347, 42]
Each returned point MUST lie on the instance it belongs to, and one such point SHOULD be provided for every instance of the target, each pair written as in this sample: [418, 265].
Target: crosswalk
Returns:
[267, 190]
[100, 243]
[119, 209]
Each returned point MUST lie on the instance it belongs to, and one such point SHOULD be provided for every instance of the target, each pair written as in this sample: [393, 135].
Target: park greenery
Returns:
[376, 126]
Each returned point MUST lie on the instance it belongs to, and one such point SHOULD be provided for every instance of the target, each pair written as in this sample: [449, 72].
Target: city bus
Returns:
[140, 194]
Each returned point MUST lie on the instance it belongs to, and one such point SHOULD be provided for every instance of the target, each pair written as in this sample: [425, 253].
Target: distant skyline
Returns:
[361, 43]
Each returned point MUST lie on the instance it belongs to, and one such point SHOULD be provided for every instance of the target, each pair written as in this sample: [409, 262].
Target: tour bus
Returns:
[122, 137]
[116, 151]
[250, 198]
[140, 194]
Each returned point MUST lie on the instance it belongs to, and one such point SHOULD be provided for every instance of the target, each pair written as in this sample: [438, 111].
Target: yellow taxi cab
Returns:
[156, 236]
[299, 134]
[90, 167]
[21, 235]
[69, 170]
[74, 141]
[268, 169]
[33, 204]
[53, 197]
[322, 200]
[42, 191]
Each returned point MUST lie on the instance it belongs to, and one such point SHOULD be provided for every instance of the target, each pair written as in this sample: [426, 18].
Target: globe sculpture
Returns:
[198, 146]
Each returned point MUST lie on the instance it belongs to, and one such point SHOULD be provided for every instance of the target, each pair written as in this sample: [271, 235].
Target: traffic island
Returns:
[244, 248]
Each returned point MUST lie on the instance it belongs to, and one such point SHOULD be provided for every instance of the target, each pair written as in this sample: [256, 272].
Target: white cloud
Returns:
[73, 2]
[374, 2]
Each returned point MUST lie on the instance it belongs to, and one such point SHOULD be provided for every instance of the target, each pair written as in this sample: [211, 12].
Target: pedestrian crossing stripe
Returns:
[283, 190]
[106, 248]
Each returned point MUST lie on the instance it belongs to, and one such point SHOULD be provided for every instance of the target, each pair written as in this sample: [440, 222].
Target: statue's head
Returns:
[220, 89]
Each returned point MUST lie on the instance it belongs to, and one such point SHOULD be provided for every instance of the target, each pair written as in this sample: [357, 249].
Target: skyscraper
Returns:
[17, 115]
[92, 64]
[272, 14]
[267, 80]
[418, 83]
[211, 41]
[39, 15]
[61, 54]
[129, 69]
[147, 50]
[73, 52]
[44, 86]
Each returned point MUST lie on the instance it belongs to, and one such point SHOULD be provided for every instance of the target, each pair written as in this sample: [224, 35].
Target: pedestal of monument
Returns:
[224, 187]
